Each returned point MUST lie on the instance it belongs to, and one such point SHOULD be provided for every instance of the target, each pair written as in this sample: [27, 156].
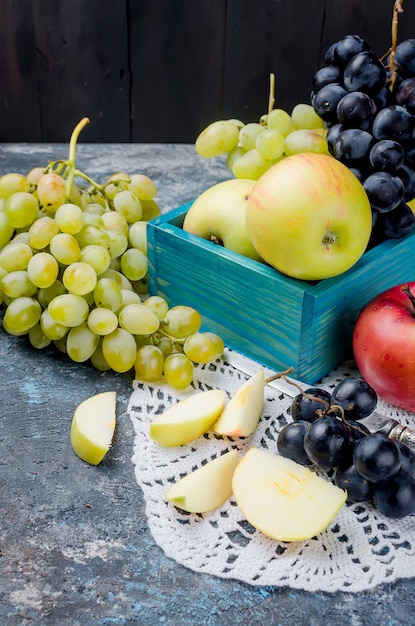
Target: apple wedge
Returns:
[282, 499]
[241, 415]
[93, 426]
[206, 488]
[188, 419]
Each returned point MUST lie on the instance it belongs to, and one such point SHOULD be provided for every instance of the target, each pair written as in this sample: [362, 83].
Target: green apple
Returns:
[207, 487]
[309, 217]
[93, 426]
[241, 415]
[218, 214]
[188, 419]
[282, 499]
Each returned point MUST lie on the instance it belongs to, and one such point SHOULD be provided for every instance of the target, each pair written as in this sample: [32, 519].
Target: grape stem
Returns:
[271, 97]
[71, 162]
[397, 9]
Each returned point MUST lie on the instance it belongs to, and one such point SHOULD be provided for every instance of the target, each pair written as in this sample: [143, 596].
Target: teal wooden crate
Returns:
[276, 320]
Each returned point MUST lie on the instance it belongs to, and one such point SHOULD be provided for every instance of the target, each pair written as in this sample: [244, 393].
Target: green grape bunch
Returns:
[73, 274]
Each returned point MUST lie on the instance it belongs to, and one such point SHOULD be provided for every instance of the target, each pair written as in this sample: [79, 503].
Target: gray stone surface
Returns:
[75, 547]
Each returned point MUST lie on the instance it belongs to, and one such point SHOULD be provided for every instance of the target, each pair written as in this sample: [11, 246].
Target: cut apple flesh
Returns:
[206, 488]
[282, 499]
[188, 419]
[93, 426]
[241, 415]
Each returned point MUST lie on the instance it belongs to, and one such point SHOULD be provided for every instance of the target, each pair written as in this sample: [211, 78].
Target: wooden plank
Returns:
[279, 37]
[177, 50]
[82, 64]
[19, 101]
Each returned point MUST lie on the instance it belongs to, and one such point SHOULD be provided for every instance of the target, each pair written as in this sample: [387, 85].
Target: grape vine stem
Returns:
[71, 162]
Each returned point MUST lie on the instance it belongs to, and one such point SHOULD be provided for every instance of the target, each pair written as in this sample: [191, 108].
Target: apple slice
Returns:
[93, 426]
[188, 419]
[241, 415]
[207, 487]
[282, 499]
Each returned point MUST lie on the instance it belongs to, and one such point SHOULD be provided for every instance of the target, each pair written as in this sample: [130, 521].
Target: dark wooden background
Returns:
[161, 70]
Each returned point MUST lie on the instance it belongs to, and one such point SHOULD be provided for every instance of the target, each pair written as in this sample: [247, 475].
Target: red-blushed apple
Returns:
[384, 345]
[309, 217]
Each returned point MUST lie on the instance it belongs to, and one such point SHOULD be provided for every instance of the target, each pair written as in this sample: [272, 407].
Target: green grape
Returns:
[200, 348]
[158, 305]
[138, 319]
[51, 191]
[119, 350]
[65, 248]
[149, 363]
[13, 183]
[166, 345]
[95, 208]
[6, 230]
[137, 236]
[303, 140]
[107, 294]
[21, 209]
[52, 329]
[21, 314]
[46, 294]
[69, 218]
[69, 309]
[141, 286]
[92, 219]
[250, 165]
[41, 232]
[134, 264]
[178, 370]
[270, 144]
[220, 346]
[118, 245]
[129, 297]
[118, 277]
[116, 182]
[150, 210]
[248, 135]
[304, 116]
[79, 278]
[15, 256]
[102, 321]
[81, 343]
[17, 283]
[280, 120]
[98, 359]
[218, 138]
[92, 234]
[35, 175]
[37, 338]
[115, 221]
[60, 344]
[182, 321]
[43, 269]
[233, 156]
[97, 257]
[143, 187]
[128, 205]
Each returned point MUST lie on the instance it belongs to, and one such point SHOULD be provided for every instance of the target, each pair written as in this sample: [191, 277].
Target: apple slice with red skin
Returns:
[384, 345]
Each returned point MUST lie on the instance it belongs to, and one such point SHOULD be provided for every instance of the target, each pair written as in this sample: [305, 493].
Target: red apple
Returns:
[384, 345]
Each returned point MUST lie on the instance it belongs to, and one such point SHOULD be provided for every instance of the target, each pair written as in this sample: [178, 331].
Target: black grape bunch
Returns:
[368, 107]
[326, 434]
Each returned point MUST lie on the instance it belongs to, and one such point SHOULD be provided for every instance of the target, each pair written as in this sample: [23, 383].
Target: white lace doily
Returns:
[359, 550]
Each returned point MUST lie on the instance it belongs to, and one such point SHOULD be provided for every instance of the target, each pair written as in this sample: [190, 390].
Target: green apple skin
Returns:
[188, 419]
[282, 499]
[207, 488]
[93, 426]
[241, 415]
[219, 212]
[309, 217]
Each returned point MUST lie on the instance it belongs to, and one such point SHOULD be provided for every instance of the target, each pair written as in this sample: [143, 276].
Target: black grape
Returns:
[405, 95]
[352, 147]
[394, 122]
[356, 110]
[326, 75]
[407, 458]
[397, 223]
[326, 442]
[326, 100]
[385, 191]
[405, 57]
[407, 176]
[358, 489]
[396, 497]
[376, 457]
[345, 49]
[356, 397]
[290, 442]
[364, 72]
[387, 156]
[307, 408]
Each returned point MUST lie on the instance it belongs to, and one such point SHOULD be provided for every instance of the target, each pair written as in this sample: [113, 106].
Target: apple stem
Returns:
[406, 290]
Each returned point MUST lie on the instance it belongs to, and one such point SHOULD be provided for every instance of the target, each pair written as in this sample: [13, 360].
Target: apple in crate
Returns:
[188, 419]
[218, 214]
[309, 217]
[384, 345]
[241, 415]
[282, 499]
[207, 487]
[93, 426]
